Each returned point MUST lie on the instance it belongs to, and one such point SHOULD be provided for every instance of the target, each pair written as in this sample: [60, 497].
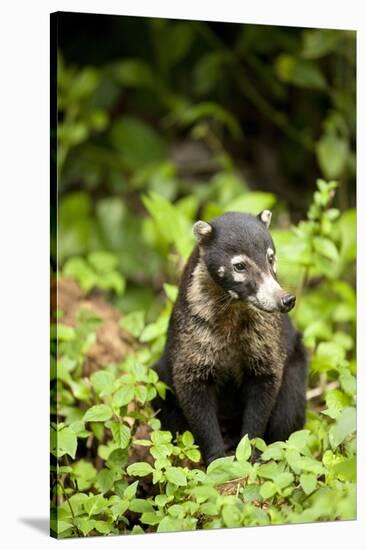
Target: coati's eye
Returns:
[271, 259]
[239, 267]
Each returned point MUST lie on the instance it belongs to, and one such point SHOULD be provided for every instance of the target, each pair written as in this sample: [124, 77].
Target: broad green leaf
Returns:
[244, 449]
[95, 505]
[139, 469]
[268, 489]
[284, 479]
[103, 527]
[344, 426]
[102, 261]
[123, 396]
[332, 152]
[171, 291]
[299, 72]
[308, 482]
[346, 469]
[176, 476]
[98, 413]
[326, 248]
[66, 442]
[187, 439]
[133, 322]
[231, 515]
[169, 524]
[121, 434]
[103, 382]
[173, 226]
[85, 525]
[105, 480]
[298, 439]
[252, 202]
[130, 491]
[193, 454]
[136, 142]
[319, 42]
[152, 518]
[140, 505]
[62, 332]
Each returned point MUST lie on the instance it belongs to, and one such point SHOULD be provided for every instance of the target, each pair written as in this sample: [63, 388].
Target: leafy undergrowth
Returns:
[114, 471]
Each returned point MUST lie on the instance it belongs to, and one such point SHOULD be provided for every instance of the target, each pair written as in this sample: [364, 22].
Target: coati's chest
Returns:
[234, 345]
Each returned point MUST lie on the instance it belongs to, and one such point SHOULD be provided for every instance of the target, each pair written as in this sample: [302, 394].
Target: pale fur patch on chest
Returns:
[231, 338]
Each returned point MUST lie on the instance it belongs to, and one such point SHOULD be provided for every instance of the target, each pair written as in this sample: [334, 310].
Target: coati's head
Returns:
[240, 256]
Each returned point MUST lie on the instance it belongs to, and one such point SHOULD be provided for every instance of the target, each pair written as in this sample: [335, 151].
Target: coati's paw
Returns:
[214, 456]
[255, 456]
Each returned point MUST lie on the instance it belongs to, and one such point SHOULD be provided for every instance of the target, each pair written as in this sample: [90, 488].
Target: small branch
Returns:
[316, 392]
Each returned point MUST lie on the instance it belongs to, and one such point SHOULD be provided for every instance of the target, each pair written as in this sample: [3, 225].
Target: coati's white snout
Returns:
[271, 297]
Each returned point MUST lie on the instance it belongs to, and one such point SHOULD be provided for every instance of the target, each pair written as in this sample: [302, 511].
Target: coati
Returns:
[233, 359]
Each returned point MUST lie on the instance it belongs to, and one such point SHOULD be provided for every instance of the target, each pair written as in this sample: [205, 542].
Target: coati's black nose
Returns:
[288, 302]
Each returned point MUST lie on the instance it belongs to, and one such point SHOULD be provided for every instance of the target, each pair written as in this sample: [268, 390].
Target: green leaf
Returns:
[105, 480]
[252, 202]
[139, 469]
[231, 515]
[98, 413]
[193, 454]
[85, 525]
[103, 382]
[63, 333]
[103, 262]
[274, 451]
[121, 434]
[187, 439]
[344, 426]
[133, 322]
[78, 269]
[328, 356]
[319, 42]
[298, 439]
[270, 470]
[268, 489]
[332, 153]
[172, 225]
[244, 449]
[95, 505]
[299, 72]
[67, 442]
[169, 524]
[346, 469]
[152, 518]
[326, 248]
[123, 396]
[130, 491]
[308, 483]
[284, 479]
[119, 508]
[137, 143]
[347, 229]
[171, 291]
[176, 476]
[103, 527]
[140, 505]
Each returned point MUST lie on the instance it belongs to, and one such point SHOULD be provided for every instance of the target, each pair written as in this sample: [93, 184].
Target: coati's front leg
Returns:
[260, 394]
[197, 401]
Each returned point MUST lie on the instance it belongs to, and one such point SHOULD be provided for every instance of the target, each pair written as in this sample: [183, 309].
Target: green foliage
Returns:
[146, 146]
[310, 477]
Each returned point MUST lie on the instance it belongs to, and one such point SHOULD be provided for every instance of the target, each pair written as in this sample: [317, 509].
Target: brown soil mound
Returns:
[112, 342]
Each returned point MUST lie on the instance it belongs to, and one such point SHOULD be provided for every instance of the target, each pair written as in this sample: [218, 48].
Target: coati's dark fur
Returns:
[234, 368]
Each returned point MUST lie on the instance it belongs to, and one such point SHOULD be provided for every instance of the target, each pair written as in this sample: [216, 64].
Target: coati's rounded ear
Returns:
[202, 231]
[265, 217]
